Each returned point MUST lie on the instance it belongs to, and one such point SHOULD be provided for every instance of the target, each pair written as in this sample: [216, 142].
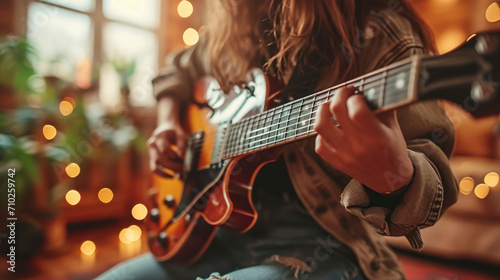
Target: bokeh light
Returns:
[190, 36]
[139, 212]
[65, 107]
[73, 170]
[73, 197]
[133, 233]
[482, 191]
[185, 9]
[491, 179]
[493, 12]
[49, 131]
[123, 236]
[88, 248]
[466, 185]
[105, 195]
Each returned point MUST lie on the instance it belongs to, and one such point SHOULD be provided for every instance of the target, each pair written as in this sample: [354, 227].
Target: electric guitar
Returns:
[233, 135]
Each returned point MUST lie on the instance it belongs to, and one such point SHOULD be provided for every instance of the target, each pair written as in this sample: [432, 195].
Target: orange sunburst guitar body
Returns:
[233, 135]
[217, 192]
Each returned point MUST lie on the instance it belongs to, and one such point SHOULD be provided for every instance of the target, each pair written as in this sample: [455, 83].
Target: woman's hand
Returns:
[167, 143]
[370, 148]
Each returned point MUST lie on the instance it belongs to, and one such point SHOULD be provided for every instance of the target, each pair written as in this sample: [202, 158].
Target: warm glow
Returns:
[450, 39]
[133, 233]
[185, 9]
[72, 170]
[105, 195]
[83, 73]
[491, 179]
[65, 108]
[49, 132]
[493, 12]
[482, 191]
[466, 185]
[123, 236]
[73, 197]
[190, 36]
[139, 212]
[88, 248]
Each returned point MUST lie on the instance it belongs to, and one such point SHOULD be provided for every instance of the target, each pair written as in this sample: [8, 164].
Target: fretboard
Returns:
[383, 89]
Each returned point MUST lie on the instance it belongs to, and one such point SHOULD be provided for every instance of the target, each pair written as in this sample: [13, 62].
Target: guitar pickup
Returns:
[194, 144]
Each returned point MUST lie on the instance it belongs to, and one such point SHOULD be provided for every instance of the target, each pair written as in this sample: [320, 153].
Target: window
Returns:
[98, 41]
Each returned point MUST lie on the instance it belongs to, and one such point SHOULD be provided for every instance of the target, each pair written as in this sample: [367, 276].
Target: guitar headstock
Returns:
[468, 76]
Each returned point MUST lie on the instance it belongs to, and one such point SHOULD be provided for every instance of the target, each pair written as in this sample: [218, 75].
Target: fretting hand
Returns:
[370, 148]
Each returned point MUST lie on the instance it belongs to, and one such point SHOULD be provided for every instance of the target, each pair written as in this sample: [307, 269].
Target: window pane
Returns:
[63, 41]
[125, 45]
[81, 5]
[140, 12]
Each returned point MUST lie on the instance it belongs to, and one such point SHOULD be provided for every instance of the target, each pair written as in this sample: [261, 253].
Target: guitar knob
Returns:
[154, 214]
[169, 201]
[163, 239]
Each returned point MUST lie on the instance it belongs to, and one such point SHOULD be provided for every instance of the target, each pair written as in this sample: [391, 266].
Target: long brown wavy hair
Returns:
[277, 34]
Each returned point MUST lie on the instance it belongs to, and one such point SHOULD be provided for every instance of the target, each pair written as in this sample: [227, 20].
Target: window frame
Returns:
[98, 21]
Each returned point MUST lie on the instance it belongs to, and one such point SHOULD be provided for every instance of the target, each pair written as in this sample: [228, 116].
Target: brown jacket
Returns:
[343, 206]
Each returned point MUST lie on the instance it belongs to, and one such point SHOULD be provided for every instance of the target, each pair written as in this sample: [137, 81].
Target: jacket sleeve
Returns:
[183, 69]
[430, 139]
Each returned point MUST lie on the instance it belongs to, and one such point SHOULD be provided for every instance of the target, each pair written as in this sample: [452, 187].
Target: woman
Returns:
[323, 204]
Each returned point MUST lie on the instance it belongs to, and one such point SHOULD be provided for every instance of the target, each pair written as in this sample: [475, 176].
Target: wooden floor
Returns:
[71, 264]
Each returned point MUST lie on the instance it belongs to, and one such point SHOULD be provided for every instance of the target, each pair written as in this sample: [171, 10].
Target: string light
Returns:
[73, 197]
[185, 9]
[73, 170]
[105, 195]
[88, 248]
[139, 212]
[49, 131]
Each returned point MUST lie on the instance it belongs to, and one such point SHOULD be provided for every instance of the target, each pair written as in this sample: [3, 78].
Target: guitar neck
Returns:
[384, 89]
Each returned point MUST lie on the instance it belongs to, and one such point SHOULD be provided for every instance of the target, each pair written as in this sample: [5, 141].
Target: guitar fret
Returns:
[296, 119]
[397, 85]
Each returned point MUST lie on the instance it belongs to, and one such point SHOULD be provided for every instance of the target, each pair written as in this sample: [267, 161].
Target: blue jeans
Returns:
[285, 243]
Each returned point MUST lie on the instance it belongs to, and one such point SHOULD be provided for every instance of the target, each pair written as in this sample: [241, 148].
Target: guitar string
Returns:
[237, 146]
[276, 128]
[240, 146]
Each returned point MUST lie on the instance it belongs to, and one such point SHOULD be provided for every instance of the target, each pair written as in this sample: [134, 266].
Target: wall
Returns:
[7, 23]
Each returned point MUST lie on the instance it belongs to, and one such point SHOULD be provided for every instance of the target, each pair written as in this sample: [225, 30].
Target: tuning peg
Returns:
[487, 44]
[482, 91]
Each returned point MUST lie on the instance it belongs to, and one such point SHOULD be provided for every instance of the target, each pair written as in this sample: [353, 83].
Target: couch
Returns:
[470, 229]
